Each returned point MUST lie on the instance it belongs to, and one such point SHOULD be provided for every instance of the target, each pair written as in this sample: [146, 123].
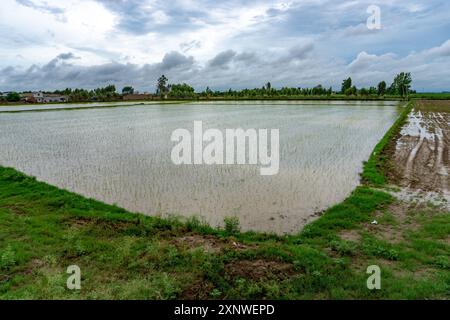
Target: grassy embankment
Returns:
[122, 255]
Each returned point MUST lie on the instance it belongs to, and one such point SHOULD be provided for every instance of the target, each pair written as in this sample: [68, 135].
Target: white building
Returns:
[38, 96]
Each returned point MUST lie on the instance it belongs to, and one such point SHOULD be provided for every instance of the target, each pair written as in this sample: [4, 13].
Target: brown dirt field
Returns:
[420, 158]
[207, 243]
[350, 235]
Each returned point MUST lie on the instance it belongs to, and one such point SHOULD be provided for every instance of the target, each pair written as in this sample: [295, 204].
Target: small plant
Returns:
[164, 287]
[378, 249]
[343, 247]
[7, 258]
[197, 224]
[50, 260]
[442, 262]
[232, 225]
[215, 293]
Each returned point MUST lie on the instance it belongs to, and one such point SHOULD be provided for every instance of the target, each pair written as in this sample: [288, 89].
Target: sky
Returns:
[54, 44]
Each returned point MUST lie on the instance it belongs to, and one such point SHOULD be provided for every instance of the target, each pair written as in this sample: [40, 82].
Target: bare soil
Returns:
[421, 154]
[259, 270]
[209, 243]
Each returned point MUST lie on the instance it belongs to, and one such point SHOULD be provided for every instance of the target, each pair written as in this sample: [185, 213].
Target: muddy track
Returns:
[420, 158]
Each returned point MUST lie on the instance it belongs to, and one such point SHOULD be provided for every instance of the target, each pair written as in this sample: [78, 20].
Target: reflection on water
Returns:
[122, 156]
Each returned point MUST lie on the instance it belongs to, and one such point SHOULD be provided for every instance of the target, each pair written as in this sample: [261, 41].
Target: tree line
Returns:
[400, 86]
[108, 93]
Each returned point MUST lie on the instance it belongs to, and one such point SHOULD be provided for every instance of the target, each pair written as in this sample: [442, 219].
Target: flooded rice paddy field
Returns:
[55, 106]
[422, 153]
[122, 156]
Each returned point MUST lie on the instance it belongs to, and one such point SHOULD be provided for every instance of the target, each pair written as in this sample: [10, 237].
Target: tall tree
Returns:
[162, 85]
[381, 88]
[364, 92]
[346, 84]
[402, 84]
[128, 90]
[13, 97]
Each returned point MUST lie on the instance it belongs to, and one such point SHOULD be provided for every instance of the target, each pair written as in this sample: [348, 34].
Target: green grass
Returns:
[130, 256]
[123, 255]
[373, 172]
[432, 96]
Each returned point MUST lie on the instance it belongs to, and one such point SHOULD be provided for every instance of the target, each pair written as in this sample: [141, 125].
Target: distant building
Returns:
[131, 97]
[49, 98]
[28, 97]
[40, 97]
[5, 94]
[32, 97]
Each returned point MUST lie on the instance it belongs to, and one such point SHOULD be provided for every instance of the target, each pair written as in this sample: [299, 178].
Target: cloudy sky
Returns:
[54, 44]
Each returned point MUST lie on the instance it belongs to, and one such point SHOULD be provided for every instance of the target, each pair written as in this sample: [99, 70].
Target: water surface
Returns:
[122, 156]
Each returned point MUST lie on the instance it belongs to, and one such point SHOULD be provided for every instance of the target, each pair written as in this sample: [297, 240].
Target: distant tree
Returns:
[128, 90]
[364, 92]
[13, 97]
[351, 91]
[181, 91]
[346, 84]
[162, 85]
[268, 86]
[391, 89]
[110, 88]
[318, 90]
[402, 84]
[381, 88]
[107, 93]
[373, 90]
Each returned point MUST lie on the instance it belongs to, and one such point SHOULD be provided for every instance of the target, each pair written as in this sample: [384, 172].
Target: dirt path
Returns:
[421, 159]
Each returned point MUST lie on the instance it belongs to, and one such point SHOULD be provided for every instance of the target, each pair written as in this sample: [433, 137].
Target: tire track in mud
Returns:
[422, 153]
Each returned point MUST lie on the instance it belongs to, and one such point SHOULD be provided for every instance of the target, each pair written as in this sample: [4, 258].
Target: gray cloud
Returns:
[66, 56]
[58, 74]
[222, 59]
[247, 58]
[175, 59]
[61, 57]
[139, 17]
[300, 52]
[186, 46]
[428, 67]
[44, 7]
